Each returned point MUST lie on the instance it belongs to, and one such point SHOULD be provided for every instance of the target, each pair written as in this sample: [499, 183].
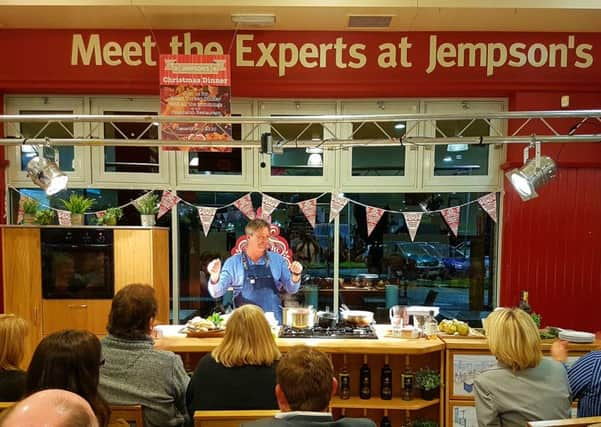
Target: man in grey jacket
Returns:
[136, 373]
[305, 384]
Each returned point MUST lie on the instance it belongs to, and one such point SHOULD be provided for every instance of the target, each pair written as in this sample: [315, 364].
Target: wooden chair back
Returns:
[568, 422]
[126, 415]
[230, 418]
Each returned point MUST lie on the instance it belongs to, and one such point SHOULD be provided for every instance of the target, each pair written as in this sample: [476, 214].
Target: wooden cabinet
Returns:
[141, 255]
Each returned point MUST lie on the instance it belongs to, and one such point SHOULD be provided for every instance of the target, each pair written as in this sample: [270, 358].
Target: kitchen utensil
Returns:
[326, 319]
[301, 317]
[357, 317]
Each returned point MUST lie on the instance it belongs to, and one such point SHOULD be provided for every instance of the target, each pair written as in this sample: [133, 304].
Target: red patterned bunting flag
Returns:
[309, 208]
[412, 219]
[168, 201]
[100, 214]
[373, 217]
[64, 217]
[337, 203]
[268, 205]
[245, 205]
[489, 204]
[21, 212]
[451, 216]
[206, 217]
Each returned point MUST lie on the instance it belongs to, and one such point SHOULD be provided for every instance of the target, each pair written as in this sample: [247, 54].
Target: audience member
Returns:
[584, 377]
[136, 373]
[524, 386]
[305, 384]
[50, 408]
[246, 358]
[69, 360]
[12, 345]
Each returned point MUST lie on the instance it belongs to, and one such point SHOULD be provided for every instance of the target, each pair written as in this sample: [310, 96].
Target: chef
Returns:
[256, 275]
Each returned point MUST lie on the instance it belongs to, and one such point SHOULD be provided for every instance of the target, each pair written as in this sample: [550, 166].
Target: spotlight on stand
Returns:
[533, 174]
[46, 174]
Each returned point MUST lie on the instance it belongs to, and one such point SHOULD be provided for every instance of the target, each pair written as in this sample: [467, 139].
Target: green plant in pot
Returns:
[111, 216]
[429, 381]
[77, 205]
[148, 206]
[44, 217]
[30, 207]
[425, 423]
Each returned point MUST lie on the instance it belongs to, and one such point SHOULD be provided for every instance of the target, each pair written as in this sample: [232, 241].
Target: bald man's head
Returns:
[51, 408]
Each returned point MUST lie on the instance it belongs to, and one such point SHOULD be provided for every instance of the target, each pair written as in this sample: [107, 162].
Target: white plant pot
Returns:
[28, 218]
[147, 220]
[76, 219]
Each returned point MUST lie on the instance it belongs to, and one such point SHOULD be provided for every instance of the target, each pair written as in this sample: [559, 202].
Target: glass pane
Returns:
[218, 161]
[378, 161]
[63, 155]
[312, 247]
[297, 161]
[130, 159]
[454, 273]
[461, 159]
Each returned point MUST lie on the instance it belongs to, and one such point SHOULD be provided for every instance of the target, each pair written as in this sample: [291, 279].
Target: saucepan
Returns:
[356, 317]
[300, 317]
[326, 319]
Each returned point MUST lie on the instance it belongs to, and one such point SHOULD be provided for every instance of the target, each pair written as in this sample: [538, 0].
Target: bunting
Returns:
[373, 217]
[268, 205]
[412, 219]
[337, 203]
[245, 205]
[489, 204]
[168, 201]
[206, 215]
[451, 216]
[21, 213]
[64, 217]
[309, 209]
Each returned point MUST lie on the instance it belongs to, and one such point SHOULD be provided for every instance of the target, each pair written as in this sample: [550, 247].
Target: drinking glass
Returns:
[397, 315]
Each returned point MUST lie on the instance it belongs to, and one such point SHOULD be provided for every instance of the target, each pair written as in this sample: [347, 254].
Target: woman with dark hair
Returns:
[69, 360]
[136, 373]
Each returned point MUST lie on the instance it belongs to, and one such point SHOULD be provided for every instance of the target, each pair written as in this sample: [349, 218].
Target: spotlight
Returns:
[534, 174]
[314, 158]
[46, 174]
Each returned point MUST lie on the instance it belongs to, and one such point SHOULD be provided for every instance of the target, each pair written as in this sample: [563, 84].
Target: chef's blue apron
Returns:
[259, 288]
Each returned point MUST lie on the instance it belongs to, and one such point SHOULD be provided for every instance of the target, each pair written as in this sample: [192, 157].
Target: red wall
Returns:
[552, 244]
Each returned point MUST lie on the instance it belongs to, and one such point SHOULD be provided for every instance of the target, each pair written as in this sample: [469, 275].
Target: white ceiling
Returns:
[407, 15]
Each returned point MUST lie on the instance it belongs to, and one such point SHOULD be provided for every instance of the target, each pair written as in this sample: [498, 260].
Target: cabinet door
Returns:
[91, 315]
[22, 273]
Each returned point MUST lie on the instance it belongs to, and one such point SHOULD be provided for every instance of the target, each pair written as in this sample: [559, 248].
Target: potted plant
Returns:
[44, 217]
[77, 205]
[30, 207]
[428, 380]
[111, 216]
[425, 423]
[148, 206]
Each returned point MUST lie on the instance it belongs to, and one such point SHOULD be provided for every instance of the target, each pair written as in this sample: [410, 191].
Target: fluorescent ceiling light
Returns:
[314, 150]
[263, 19]
[399, 126]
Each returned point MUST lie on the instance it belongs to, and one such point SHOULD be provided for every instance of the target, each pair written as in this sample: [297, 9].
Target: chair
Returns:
[584, 421]
[230, 418]
[123, 415]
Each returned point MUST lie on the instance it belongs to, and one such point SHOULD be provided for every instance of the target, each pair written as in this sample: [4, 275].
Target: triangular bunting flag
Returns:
[206, 217]
[100, 214]
[337, 203]
[373, 217]
[309, 208]
[451, 216]
[245, 205]
[412, 219]
[268, 205]
[168, 201]
[489, 204]
[64, 217]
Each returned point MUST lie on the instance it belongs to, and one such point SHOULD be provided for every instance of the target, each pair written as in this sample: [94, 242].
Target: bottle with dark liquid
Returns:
[344, 384]
[386, 383]
[385, 422]
[407, 384]
[524, 302]
[364, 382]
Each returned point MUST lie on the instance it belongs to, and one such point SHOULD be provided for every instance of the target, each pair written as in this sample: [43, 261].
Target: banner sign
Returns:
[245, 205]
[168, 201]
[489, 204]
[451, 216]
[309, 209]
[268, 205]
[373, 217]
[206, 216]
[196, 85]
[412, 219]
[301, 63]
[337, 203]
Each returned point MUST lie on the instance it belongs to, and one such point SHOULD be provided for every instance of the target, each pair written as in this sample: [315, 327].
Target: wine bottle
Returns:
[386, 383]
[407, 384]
[524, 302]
[385, 422]
[344, 384]
[364, 382]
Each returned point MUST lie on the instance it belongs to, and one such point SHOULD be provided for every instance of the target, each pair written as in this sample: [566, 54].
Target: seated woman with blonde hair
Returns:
[240, 372]
[13, 330]
[524, 386]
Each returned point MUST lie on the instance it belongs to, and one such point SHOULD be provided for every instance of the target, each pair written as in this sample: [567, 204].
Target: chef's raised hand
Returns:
[296, 269]
[214, 268]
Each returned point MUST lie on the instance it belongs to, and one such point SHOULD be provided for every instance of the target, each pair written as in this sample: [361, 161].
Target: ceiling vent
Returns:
[369, 21]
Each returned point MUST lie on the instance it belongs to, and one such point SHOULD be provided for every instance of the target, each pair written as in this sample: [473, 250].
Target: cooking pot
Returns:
[326, 319]
[357, 317]
[300, 317]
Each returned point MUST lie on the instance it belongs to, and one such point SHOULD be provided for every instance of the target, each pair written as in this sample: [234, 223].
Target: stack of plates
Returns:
[576, 336]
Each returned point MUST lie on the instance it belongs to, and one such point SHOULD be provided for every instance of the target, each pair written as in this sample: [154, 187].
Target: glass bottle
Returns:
[524, 302]
[386, 383]
[385, 422]
[431, 327]
[407, 384]
[364, 382]
[344, 384]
